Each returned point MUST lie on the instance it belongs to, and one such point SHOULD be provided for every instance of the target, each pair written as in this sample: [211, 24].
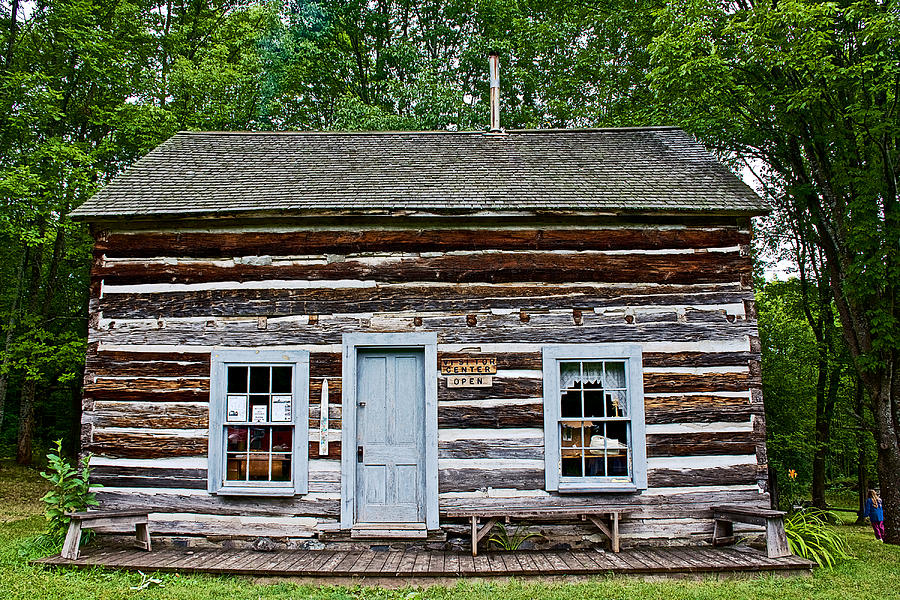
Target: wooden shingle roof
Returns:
[652, 169]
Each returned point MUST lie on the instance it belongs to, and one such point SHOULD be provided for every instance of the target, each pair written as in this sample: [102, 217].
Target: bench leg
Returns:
[142, 535]
[73, 541]
[723, 532]
[478, 534]
[776, 539]
[611, 531]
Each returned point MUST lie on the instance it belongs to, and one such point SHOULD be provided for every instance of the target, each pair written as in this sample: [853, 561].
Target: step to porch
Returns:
[389, 531]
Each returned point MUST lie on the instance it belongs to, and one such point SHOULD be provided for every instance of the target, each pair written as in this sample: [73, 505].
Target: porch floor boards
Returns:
[426, 564]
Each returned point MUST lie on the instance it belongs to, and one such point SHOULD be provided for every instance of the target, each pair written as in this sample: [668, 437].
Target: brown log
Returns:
[474, 416]
[519, 387]
[661, 383]
[149, 477]
[717, 267]
[119, 444]
[281, 302]
[159, 416]
[227, 245]
[727, 414]
[97, 395]
[736, 475]
[334, 450]
[702, 444]
[496, 447]
[335, 389]
[147, 384]
[700, 402]
[147, 364]
[464, 480]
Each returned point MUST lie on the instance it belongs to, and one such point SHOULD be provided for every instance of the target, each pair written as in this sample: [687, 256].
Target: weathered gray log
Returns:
[217, 505]
[501, 267]
[241, 333]
[281, 302]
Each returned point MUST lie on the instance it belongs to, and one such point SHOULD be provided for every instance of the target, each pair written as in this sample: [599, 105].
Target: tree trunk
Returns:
[886, 437]
[774, 491]
[862, 471]
[24, 449]
[10, 333]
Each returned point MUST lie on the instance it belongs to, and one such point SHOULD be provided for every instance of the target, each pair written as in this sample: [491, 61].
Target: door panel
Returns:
[391, 432]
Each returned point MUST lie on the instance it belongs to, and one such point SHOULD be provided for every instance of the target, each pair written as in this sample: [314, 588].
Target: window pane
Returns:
[570, 405]
[259, 408]
[259, 467]
[616, 404]
[569, 375]
[281, 467]
[615, 375]
[259, 380]
[237, 439]
[571, 462]
[237, 380]
[618, 464]
[594, 437]
[281, 439]
[617, 434]
[281, 380]
[594, 466]
[592, 374]
[236, 467]
[593, 403]
[570, 434]
[259, 439]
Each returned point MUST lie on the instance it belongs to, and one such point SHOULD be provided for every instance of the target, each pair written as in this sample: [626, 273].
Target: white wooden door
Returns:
[390, 430]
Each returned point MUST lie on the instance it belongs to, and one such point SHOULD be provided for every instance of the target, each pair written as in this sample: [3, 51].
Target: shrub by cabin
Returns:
[302, 335]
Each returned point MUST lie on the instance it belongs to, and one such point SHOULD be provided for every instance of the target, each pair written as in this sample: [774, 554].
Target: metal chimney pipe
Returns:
[494, 62]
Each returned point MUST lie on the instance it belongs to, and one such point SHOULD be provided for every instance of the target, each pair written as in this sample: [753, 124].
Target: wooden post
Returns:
[776, 538]
[73, 540]
[615, 532]
[142, 535]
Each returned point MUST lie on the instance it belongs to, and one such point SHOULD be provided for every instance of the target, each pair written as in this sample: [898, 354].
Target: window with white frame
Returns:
[594, 437]
[258, 439]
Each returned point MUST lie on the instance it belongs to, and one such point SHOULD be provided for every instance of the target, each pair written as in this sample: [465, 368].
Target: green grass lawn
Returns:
[874, 575]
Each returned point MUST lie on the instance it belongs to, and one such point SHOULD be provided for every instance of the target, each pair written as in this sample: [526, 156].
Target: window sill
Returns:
[582, 488]
[255, 491]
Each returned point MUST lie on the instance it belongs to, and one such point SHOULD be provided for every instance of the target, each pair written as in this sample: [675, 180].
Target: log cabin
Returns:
[305, 335]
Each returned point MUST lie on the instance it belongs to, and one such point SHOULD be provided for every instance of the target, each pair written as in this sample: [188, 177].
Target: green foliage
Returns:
[511, 541]
[71, 491]
[809, 535]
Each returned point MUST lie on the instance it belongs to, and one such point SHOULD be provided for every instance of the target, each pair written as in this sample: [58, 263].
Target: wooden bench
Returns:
[91, 519]
[604, 517]
[724, 518]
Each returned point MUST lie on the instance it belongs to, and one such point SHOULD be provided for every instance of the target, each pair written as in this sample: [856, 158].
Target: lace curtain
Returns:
[572, 373]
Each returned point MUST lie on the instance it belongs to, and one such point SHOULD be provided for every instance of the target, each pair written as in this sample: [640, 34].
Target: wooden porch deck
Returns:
[424, 564]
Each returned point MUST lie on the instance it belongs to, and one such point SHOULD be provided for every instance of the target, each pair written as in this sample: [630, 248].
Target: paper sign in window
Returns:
[259, 413]
[237, 408]
[281, 408]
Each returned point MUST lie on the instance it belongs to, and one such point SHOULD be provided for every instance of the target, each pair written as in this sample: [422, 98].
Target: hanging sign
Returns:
[469, 366]
[465, 381]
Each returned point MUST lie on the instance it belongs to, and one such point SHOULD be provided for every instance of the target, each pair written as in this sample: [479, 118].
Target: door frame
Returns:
[351, 344]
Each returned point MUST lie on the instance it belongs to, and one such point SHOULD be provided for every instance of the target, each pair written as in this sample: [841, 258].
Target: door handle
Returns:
[359, 454]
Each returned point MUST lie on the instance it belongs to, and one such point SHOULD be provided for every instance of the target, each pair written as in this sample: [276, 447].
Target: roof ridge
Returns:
[318, 132]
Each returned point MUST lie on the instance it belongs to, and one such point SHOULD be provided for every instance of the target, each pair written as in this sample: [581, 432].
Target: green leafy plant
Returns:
[509, 542]
[71, 491]
[810, 536]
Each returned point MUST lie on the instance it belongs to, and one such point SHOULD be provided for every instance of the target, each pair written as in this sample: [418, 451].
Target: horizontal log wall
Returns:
[161, 301]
